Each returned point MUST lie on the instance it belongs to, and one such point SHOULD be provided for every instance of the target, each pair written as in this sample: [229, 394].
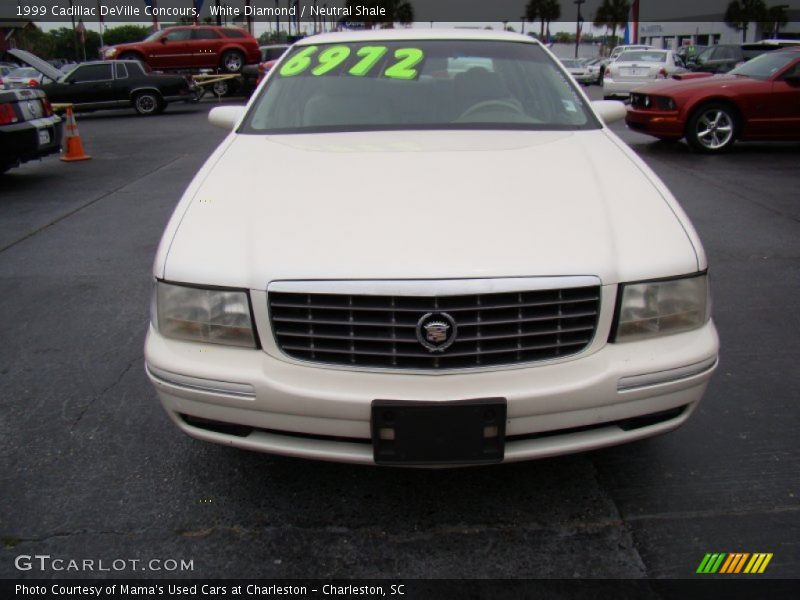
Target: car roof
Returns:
[104, 62]
[415, 34]
[791, 43]
[202, 26]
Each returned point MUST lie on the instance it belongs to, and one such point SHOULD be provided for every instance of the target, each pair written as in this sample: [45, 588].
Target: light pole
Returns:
[578, 26]
[777, 26]
[315, 17]
[74, 33]
[100, 24]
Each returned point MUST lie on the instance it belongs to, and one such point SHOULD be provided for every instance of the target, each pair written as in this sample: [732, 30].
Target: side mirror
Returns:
[609, 111]
[793, 80]
[163, 40]
[225, 117]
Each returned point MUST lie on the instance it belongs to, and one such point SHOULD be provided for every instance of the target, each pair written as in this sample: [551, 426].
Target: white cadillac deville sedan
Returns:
[390, 260]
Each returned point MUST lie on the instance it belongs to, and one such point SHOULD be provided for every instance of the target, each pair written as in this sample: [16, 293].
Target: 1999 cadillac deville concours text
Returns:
[467, 300]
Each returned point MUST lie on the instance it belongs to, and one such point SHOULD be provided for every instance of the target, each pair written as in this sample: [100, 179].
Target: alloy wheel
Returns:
[714, 129]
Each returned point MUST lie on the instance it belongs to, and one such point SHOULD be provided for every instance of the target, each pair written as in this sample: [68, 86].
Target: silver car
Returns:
[635, 68]
[578, 70]
[24, 77]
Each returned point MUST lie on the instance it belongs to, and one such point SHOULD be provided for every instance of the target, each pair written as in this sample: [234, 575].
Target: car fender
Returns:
[144, 88]
[690, 106]
[232, 46]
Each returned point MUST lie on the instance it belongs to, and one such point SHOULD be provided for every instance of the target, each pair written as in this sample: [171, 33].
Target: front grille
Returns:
[639, 101]
[381, 331]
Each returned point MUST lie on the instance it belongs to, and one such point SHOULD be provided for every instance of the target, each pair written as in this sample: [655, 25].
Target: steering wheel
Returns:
[506, 105]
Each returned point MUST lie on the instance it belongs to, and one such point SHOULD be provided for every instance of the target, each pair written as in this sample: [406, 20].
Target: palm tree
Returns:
[549, 11]
[532, 10]
[740, 13]
[613, 14]
[776, 18]
[395, 11]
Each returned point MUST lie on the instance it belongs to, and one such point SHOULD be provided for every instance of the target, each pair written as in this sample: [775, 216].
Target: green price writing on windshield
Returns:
[298, 63]
[369, 56]
[334, 56]
[409, 57]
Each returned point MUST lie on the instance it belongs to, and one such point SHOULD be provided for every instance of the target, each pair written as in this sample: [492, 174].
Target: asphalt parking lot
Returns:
[90, 466]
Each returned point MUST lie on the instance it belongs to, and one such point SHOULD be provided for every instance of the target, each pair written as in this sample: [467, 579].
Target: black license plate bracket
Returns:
[439, 433]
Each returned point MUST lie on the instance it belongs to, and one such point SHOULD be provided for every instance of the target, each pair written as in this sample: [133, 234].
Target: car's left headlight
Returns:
[216, 316]
[110, 52]
[654, 308]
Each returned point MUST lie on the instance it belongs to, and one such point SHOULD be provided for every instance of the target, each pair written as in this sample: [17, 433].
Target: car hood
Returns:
[45, 68]
[397, 205]
[695, 83]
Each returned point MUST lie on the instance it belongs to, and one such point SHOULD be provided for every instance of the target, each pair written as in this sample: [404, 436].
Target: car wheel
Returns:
[232, 61]
[130, 56]
[712, 128]
[220, 88]
[148, 103]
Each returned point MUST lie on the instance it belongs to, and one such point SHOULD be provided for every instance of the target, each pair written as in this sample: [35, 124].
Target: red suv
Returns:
[229, 48]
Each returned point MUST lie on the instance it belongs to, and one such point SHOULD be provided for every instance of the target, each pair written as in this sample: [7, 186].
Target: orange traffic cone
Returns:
[72, 149]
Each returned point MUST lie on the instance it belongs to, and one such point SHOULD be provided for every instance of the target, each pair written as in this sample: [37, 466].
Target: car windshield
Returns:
[649, 56]
[418, 84]
[705, 55]
[766, 65]
[153, 36]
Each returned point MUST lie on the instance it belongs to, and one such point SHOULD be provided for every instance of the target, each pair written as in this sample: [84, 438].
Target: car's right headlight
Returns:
[216, 316]
[661, 307]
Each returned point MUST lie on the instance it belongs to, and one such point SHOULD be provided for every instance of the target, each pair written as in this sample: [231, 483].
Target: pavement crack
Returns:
[704, 514]
[77, 209]
[10, 541]
[106, 389]
[623, 524]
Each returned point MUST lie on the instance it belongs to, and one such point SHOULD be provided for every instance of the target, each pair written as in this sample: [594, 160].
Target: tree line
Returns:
[65, 43]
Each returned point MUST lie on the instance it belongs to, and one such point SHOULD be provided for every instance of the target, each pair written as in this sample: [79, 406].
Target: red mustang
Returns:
[759, 100]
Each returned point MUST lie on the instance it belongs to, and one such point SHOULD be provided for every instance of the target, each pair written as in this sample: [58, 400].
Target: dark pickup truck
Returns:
[99, 85]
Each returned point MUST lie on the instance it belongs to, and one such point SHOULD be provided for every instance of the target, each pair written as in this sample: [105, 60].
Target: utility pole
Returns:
[74, 33]
[578, 26]
[101, 23]
[315, 17]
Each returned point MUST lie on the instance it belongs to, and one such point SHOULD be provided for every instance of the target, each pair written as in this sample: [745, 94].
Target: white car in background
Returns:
[441, 289]
[620, 49]
[578, 69]
[22, 77]
[596, 68]
[634, 68]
